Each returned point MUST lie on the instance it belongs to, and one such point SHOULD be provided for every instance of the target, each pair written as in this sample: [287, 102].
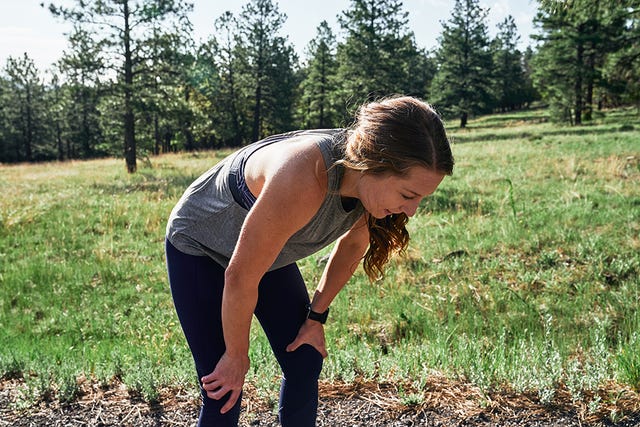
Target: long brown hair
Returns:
[393, 135]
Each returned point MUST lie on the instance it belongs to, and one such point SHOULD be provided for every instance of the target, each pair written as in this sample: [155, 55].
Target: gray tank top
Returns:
[207, 219]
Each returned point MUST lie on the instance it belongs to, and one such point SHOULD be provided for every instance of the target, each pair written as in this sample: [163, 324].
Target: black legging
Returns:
[196, 286]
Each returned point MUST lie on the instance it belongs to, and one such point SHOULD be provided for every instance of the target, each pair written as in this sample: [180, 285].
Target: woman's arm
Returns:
[343, 261]
[289, 197]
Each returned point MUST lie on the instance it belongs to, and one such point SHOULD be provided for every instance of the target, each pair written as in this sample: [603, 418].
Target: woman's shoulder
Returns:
[299, 165]
[317, 148]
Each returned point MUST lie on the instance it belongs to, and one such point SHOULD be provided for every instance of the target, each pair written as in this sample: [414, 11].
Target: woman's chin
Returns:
[381, 215]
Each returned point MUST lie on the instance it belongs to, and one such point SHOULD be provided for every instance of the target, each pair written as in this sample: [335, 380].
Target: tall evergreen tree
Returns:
[24, 112]
[167, 87]
[5, 122]
[122, 28]
[82, 67]
[622, 67]
[422, 68]
[554, 71]
[280, 105]
[58, 104]
[376, 56]
[530, 94]
[577, 36]
[266, 61]
[509, 85]
[317, 104]
[225, 93]
[461, 86]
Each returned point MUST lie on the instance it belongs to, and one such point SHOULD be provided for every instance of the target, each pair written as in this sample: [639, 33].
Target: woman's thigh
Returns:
[281, 310]
[197, 284]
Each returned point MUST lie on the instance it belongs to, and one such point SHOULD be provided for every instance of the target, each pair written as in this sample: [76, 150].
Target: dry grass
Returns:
[457, 401]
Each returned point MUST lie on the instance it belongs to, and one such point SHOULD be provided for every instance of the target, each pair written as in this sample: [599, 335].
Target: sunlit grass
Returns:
[522, 272]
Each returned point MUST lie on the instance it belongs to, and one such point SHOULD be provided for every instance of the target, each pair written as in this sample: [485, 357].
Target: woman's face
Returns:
[386, 194]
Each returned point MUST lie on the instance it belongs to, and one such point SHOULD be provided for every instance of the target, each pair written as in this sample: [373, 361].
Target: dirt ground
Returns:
[444, 404]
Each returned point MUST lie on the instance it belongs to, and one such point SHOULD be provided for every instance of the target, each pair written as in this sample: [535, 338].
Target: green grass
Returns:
[522, 272]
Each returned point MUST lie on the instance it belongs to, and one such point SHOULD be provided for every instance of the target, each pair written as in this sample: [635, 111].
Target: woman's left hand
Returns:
[312, 333]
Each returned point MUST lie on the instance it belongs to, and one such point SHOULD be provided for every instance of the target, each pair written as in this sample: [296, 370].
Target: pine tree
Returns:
[165, 98]
[224, 93]
[509, 85]
[266, 63]
[122, 29]
[462, 84]
[622, 67]
[377, 55]
[57, 100]
[24, 112]
[5, 121]
[317, 106]
[529, 93]
[420, 70]
[577, 36]
[81, 65]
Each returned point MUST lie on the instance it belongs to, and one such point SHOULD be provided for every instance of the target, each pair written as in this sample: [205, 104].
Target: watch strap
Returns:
[318, 317]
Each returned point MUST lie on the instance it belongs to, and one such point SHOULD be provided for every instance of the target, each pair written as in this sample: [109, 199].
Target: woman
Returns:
[235, 235]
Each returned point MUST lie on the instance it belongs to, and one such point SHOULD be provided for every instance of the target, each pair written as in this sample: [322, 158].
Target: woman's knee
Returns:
[210, 412]
[302, 365]
[299, 389]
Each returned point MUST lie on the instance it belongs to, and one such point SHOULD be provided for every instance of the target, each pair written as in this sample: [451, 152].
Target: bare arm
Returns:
[289, 197]
[343, 261]
[264, 234]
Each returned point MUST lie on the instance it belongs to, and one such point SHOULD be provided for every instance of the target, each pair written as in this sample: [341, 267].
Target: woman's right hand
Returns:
[227, 377]
[312, 333]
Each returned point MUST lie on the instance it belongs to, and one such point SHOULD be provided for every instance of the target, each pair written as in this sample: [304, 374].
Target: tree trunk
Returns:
[156, 135]
[588, 105]
[323, 83]
[237, 138]
[257, 111]
[70, 154]
[578, 84]
[166, 142]
[29, 127]
[129, 119]
[157, 140]
[588, 102]
[464, 117]
[593, 28]
[186, 127]
[59, 144]
[238, 133]
[86, 132]
[129, 139]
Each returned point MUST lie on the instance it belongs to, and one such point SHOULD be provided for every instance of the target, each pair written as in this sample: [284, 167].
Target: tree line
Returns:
[132, 80]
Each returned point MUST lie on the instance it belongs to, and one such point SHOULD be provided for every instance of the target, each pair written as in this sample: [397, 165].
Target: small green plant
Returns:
[38, 387]
[512, 202]
[68, 389]
[11, 366]
[628, 362]
[142, 386]
[411, 399]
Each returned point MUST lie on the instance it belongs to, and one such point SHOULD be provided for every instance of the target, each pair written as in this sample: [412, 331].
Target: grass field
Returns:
[522, 273]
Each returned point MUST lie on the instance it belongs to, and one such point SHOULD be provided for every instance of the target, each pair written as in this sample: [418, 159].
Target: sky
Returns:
[25, 26]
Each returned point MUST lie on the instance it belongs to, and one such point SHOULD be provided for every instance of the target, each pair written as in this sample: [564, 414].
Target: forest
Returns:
[133, 82]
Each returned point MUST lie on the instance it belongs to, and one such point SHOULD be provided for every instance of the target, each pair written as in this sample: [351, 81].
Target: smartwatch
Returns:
[318, 317]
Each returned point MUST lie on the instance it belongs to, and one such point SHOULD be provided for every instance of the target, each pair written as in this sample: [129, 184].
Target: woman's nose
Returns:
[410, 208]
